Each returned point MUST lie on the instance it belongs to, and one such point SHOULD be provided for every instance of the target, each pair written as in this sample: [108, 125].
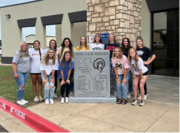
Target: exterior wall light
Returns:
[8, 16]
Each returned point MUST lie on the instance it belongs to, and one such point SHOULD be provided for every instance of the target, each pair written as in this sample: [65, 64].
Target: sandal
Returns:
[124, 101]
[119, 101]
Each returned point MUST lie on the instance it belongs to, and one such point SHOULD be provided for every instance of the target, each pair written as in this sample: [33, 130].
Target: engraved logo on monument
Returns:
[92, 73]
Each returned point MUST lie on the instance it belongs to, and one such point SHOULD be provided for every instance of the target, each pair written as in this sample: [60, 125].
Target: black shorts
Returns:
[35, 73]
[145, 74]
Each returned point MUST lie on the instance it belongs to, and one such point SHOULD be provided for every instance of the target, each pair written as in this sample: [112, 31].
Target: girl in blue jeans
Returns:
[122, 72]
[48, 66]
[21, 67]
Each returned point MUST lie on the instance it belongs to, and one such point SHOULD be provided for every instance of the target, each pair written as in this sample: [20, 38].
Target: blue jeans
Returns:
[122, 88]
[22, 80]
[48, 91]
[113, 76]
[130, 82]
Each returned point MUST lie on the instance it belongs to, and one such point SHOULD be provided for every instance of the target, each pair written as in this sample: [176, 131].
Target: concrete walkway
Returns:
[160, 113]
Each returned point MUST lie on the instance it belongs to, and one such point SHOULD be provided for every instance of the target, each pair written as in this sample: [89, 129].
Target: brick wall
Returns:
[121, 17]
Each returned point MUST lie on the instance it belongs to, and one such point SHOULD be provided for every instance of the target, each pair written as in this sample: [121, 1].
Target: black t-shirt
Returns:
[111, 47]
[144, 53]
[126, 52]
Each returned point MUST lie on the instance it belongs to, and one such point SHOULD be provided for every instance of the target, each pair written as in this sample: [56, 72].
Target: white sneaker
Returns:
[139, 97]
[20, 102]
[66, 99]
[134, 102]
[141, 103]
[62, 100]
[51, 101]
[115, 93]
[55, 96]
[36, 99]
[47, 101]
[145, 96]
[40, 98]
[24, 101]
[129, 95]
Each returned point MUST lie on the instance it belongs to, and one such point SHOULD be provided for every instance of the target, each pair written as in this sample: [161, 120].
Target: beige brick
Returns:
[91, 8]
[117, 11]
[111, 22]
[95, 15]
[122, 34]
[89, 18]
[116, 22]
[101, 14]
[114, 3]
[105, 19]
[131, 19]
[88, 13]
[118, 37]
[102, 28]
[136, 14]
[100, 24]
[110, 11]
[130, 6]
[99, 8]
[106, 24]
[112, 17]
[113, 27]
[116, 34]
[122, 2]
[125, 16]
[119, 15]
[108, 28]
[106, 5]
[95, 2]
[104, 1]
[92, 27]
[88, 1]
[95, 20]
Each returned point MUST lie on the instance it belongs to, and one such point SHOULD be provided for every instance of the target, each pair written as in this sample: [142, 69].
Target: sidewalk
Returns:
[160, 113]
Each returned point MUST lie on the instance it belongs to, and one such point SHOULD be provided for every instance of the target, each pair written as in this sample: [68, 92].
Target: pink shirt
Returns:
[121, 64]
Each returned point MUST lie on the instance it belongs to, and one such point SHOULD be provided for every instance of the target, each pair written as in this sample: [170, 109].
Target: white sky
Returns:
[50, 30]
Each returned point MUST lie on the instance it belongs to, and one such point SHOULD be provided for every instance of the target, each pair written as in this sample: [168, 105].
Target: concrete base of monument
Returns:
[73, 99]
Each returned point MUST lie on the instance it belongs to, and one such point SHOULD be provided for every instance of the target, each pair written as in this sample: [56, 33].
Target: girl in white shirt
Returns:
[97, 43]
[140, 74]
[53, 45]
[36, 55]
[48, 65]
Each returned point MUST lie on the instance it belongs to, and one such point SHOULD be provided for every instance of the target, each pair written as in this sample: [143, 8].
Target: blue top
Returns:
[65, 69]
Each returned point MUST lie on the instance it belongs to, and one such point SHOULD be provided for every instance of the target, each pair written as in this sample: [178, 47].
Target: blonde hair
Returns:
[46, 58]
[21, 51]
[120, 54]
[139, 38]
[136, 56]
[81, 43]
[108, 40]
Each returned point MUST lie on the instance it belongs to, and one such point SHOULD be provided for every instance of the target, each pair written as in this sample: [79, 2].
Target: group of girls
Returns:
[52, 63]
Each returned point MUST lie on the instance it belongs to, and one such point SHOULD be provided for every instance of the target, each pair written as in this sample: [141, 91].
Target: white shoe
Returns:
[145, 96]
[141, 103]
[36, 99]
[20, 102]
[40, 98]
[66, 99]
[55, 96]
[62, 100]
[139, 97]
[51, 101]
[134, 102]
[47, 101]
[24, 101]
[115, 93]
[129, 95]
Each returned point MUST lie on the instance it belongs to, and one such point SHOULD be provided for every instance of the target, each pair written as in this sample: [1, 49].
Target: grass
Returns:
[8, 87]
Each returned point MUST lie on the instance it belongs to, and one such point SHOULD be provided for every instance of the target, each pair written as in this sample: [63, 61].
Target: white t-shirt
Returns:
[140, 65]
[95, 46]
[45, 51]
[50, 67]
[35, 60]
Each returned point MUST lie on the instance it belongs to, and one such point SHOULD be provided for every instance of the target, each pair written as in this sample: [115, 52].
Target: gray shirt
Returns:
[23, 65]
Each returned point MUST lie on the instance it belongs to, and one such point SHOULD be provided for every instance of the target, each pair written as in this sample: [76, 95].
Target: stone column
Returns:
[120, 17]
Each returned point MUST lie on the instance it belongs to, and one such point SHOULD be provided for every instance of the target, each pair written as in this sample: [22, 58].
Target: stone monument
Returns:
[92, 77]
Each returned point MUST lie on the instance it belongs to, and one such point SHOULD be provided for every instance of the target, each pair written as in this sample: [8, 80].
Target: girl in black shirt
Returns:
[145, 53]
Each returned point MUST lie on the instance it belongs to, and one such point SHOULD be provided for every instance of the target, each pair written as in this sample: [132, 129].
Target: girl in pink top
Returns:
[122, 72]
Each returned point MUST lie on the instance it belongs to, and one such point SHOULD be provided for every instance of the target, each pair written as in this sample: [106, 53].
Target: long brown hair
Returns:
[136, 56]
[123, 46]
[64, 59]
[120, 54]
[39, 48]
[46, 58]
[70, 47]
[108, 40]
[21, 51]
[55, 48]
[81, 43]
[139, 38]
[100, 41]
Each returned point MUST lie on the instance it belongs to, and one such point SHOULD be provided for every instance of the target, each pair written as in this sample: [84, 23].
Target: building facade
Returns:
[157, 21]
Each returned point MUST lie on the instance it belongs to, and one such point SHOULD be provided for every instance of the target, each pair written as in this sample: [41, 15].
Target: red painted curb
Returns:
[32, 120]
